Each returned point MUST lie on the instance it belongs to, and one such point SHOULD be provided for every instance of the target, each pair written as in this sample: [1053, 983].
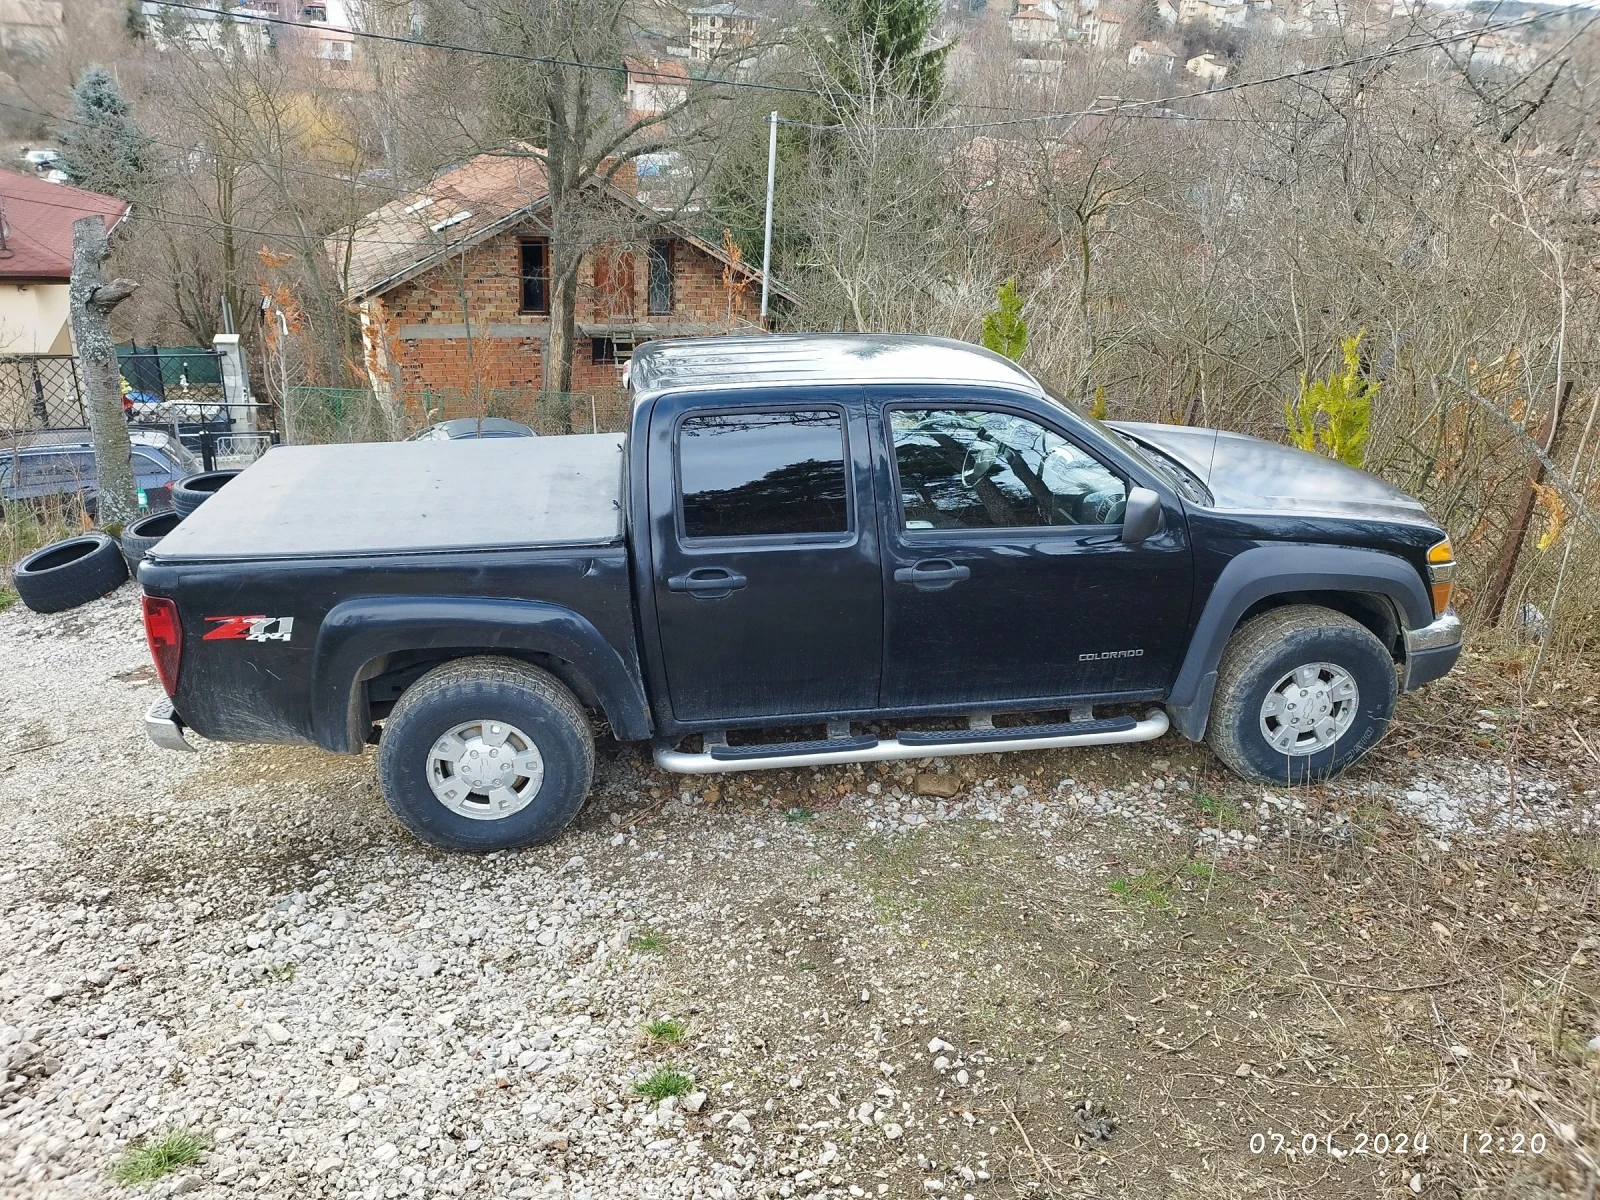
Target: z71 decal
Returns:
[250, 629]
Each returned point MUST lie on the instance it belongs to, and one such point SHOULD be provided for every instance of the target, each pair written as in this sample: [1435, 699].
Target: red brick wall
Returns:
[484, 287]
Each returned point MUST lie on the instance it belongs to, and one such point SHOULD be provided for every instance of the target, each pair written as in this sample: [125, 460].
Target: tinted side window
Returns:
[963, 469]
[756, 474]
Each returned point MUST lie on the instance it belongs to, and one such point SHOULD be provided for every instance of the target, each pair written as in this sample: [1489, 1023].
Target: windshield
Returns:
[1174, 473]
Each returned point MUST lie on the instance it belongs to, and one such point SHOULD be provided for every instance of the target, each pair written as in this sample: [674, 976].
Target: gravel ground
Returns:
[241, 943]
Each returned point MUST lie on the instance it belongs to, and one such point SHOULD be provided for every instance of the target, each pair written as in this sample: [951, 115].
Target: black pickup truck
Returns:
[805, 550]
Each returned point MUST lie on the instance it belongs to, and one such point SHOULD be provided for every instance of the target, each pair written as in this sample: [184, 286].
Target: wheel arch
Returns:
[369, 650]
[1381, 591]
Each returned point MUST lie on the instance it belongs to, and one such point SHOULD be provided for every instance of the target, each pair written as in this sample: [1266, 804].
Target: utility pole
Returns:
[766, 251]
[89, 303]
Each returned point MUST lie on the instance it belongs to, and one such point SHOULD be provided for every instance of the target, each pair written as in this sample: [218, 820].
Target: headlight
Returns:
[1441, 574]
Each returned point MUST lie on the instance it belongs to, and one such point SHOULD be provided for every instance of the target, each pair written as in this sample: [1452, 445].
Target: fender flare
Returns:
[1264, 571]
[357, 632]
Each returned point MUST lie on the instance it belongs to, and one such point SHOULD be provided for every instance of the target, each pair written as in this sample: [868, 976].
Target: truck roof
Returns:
[410, 497]
[817, 358]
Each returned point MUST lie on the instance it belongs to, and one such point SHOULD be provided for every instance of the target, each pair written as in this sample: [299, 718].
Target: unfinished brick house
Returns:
[452, 284]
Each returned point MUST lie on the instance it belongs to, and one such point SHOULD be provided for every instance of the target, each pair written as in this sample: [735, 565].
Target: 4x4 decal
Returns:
[250, 629]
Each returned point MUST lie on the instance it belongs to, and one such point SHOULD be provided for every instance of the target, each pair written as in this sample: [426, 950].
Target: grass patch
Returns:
[798, 815]
[1149, 889]
[664, 1082]
[1219, 810]
[282, 973]
[151, 1160]
[647, 942]
[24, 529]
[665, 1029]
[7, 598]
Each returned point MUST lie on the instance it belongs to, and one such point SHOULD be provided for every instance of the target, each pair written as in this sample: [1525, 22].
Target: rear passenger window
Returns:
[763, 474]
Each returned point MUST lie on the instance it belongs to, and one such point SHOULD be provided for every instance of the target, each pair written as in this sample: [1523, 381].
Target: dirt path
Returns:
[1084, 974]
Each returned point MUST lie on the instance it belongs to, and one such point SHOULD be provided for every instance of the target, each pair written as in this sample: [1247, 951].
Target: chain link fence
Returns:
[40, 391]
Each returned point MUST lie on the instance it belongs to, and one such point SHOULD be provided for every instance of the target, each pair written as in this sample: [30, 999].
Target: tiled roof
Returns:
[36, 237]
[660, 70]
[460, 205]
[463, 206]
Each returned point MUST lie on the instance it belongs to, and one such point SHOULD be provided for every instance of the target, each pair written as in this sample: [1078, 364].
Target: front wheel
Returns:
[486, 754]
[1302, 692]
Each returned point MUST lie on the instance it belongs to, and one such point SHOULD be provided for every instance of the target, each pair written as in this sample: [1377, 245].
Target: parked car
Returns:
[473, 427]
[829, 534]
[66, 467]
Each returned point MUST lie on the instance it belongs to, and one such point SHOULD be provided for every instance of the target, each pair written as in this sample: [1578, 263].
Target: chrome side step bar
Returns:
[718, 757]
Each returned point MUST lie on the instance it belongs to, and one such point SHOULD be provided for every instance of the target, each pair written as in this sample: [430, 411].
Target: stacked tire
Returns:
[67, 574]
[142, 535]
[190, 492]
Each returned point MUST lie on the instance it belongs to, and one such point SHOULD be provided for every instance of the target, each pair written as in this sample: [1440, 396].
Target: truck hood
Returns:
[1249, 473]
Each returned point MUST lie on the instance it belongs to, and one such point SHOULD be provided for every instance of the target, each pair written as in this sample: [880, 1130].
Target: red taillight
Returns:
[165, 635]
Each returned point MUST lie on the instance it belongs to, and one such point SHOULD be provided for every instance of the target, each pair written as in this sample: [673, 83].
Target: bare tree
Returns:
[90, 301]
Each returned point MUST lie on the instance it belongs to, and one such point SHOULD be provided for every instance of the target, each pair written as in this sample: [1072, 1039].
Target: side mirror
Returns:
[1141, 517]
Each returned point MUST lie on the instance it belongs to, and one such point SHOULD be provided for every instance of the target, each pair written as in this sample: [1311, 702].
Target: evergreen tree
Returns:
[101, 147]
[1004, 330]
[885, 38]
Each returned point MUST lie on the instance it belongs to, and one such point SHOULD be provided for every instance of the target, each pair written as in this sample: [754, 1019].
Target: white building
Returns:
[656, 85]
[1157, 54]
[718, 28]
[1206, 68]
[1038, 23]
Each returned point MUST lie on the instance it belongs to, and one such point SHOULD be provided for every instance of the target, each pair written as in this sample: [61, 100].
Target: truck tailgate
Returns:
[410, 497]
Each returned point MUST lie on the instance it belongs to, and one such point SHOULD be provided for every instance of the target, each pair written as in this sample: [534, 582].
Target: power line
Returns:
[1126, 106]
[515, 56]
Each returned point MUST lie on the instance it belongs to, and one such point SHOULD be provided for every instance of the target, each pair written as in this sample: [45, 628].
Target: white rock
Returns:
[276, 1033]
[694, 1102]
[893, 1132]
[739, 1123]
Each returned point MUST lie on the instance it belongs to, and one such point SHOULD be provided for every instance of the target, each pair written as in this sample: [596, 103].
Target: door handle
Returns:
[707, 583]
[932, 574]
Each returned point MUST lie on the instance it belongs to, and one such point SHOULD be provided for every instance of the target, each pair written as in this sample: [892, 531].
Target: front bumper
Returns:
[1432, 650]
[163, 727]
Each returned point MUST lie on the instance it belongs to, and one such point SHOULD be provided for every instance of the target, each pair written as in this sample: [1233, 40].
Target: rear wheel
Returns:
[486, 754]
[1302, 692]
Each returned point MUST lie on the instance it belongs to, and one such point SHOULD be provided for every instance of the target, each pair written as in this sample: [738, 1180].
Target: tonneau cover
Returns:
[407, 497]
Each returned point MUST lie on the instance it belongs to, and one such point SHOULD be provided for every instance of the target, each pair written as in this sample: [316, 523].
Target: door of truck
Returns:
[1005, 577]
[768, 593]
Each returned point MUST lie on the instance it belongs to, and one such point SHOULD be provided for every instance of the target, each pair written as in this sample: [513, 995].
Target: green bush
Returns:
[1335, 414]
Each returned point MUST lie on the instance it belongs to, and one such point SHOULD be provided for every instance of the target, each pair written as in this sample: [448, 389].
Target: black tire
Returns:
[190, 492]
[139, 537]
[486, 690]
[1264, 652]
[70, 573]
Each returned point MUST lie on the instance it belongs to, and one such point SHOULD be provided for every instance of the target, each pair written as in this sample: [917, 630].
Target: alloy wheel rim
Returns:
[485, 770]
[1309, 709]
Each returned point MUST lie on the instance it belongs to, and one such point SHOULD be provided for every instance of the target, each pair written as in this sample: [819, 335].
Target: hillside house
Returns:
[1206, 68]
[452, 285]
[30, 30]
[1038, 23]
[655, 86]
[1213, 14]
[1156, 54]
[36, 219]
[1102, 29]
[718, 28]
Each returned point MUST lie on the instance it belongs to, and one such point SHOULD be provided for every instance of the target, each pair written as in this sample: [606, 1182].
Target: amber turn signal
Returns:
[1441, 575]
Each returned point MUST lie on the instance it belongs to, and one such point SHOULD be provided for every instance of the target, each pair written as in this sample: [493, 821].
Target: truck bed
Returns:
[410, 497]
